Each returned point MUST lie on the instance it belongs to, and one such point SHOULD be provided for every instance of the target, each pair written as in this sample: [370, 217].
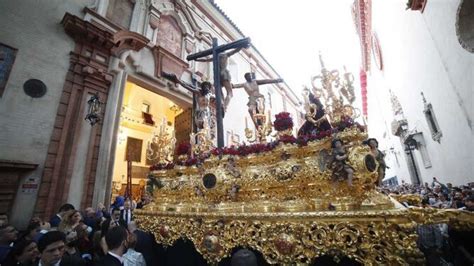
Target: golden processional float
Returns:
[282, 199]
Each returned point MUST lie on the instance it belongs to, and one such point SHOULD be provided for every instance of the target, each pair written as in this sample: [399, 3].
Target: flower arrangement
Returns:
[188, 162]
[245, 150]
[287, 139]
[283, 121]
[162, 166]
[184, 148]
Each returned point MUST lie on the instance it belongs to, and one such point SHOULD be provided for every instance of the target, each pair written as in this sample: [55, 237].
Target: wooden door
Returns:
[183, 126]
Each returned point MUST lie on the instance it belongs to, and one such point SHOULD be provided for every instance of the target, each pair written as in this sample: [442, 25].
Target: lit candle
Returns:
[162, 126]
[246, 123]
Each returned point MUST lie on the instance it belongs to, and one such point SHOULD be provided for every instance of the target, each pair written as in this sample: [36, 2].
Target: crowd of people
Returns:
[441, 244]
[104, 237]
[437, 194]
[109, 236]
[73, 237]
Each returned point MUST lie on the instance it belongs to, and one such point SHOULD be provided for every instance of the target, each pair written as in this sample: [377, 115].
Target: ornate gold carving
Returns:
[160, 148]
[284, 204]
[201, 142]
[263, 125]
[336, 95]
[411, 199]
[370, 237]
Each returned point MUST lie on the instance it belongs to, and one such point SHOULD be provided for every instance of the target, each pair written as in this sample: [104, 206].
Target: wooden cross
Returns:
[215, 51]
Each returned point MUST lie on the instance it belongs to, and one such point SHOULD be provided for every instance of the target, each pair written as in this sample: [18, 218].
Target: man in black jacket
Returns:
[52, 247]
[116, 239]
[126, 215]
[56, 219]
[117, 218]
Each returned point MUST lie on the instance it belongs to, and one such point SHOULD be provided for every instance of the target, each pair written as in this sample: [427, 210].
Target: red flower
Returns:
[190, 162]
[288, 139]
[183, 148]
[283, 121]
[230, 151]
[282, 115]
[216, 151]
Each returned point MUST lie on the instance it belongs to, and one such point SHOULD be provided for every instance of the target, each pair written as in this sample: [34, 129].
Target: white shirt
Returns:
[127, 216]
[56, 264]
[133, 258]
[116, 256]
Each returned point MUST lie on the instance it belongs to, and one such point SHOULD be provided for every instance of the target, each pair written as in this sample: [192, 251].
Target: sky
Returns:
[290, 34]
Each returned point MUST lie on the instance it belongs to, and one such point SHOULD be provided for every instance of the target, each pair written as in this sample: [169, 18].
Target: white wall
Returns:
[237, 111]
[421, 53]
[33, 27]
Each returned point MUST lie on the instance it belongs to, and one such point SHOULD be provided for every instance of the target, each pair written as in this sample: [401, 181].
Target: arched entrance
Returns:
[150, 125]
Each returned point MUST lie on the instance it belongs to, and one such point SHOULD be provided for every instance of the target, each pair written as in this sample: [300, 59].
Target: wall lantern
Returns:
[95, 106]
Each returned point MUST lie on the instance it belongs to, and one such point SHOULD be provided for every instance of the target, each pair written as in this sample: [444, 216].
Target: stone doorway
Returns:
[145, 114]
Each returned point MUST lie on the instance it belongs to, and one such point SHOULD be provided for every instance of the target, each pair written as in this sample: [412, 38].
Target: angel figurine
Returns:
[339, 165]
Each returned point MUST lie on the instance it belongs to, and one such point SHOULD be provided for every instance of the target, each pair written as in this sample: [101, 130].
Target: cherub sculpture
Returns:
[339, 165]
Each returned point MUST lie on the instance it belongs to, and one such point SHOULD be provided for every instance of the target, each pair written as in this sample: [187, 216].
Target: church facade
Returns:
[417, 57]
[56, 56]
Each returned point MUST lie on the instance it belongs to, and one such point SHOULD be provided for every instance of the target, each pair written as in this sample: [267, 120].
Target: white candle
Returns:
[163, 125]
[246, 123]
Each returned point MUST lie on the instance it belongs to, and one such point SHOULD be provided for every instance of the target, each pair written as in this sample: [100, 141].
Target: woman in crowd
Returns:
[70, 220]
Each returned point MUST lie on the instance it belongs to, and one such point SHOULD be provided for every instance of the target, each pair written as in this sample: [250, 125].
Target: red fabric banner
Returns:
[363, 90]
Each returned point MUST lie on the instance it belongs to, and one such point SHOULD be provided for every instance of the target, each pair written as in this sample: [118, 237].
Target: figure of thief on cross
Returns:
[251, 87]
[202, 113]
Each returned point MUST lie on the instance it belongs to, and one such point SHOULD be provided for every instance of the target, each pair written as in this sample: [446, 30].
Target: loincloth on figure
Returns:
[225, 75]
[253, 101]
[202, 115]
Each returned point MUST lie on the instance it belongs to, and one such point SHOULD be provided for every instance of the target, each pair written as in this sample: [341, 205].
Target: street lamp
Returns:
[410, 146]
[95, 106]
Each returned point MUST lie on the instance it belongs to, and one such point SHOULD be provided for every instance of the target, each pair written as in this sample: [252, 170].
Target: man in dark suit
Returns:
[52, 247]
[126, 215]
[56, 219]
[116, 218]
[116, 239]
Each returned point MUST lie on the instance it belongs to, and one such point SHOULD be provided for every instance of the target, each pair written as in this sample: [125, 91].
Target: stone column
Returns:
[154, 22]
[138, 16]
[102, 6]
[80, 154]
[103, 179]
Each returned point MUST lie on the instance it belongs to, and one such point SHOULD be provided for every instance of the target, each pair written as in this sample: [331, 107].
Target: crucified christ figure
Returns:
[202, 114]
[251, 87]
[224, 73]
